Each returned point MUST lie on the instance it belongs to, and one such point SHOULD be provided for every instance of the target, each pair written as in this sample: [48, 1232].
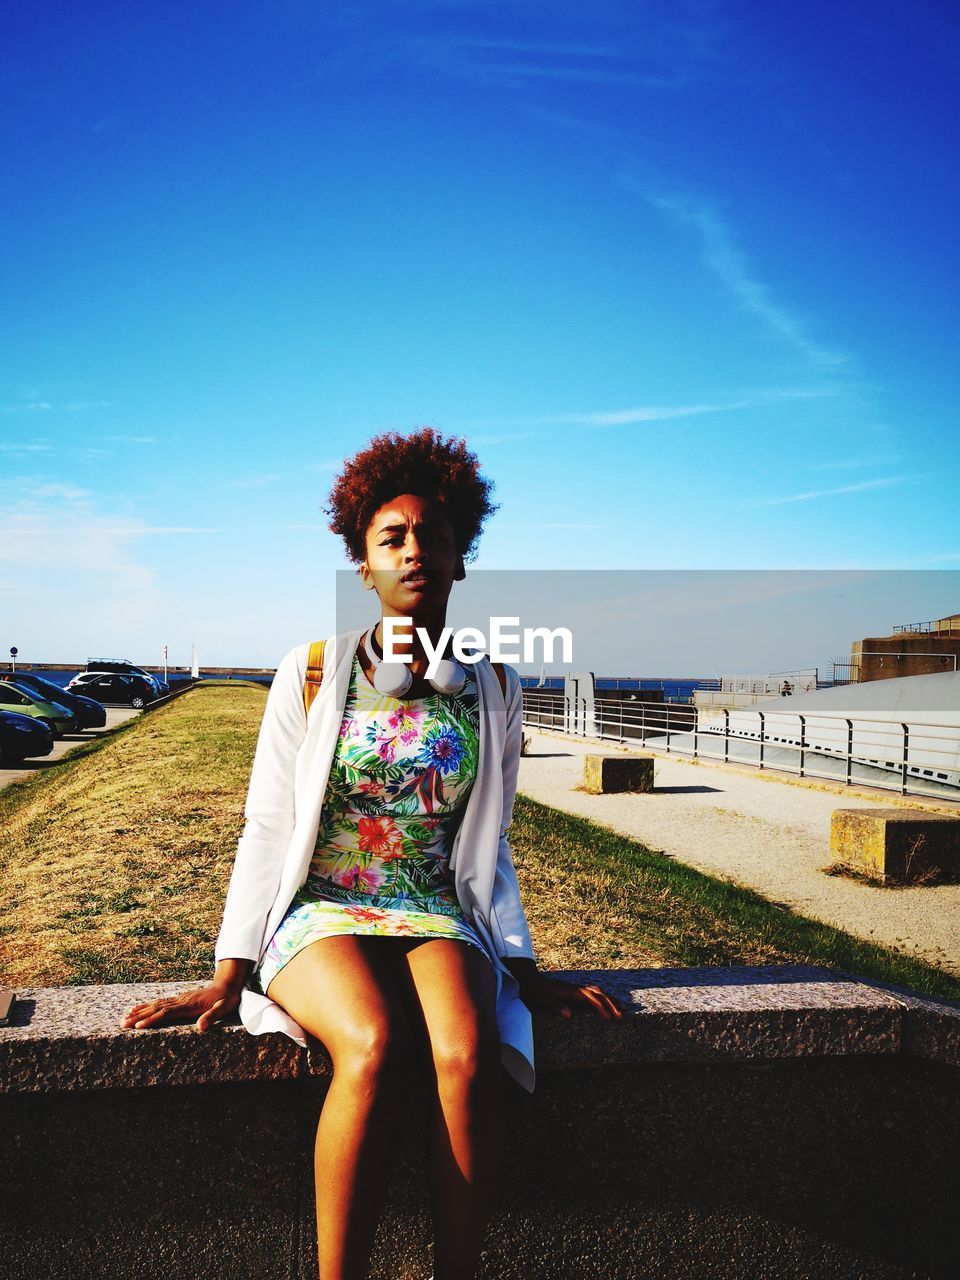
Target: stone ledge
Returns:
[62, 1039]
[930, 1026]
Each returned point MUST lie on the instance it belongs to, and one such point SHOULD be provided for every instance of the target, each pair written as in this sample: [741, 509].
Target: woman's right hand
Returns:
[204, 1004]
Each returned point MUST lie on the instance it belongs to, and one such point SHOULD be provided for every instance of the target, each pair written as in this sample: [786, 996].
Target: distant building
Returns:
[913, 649]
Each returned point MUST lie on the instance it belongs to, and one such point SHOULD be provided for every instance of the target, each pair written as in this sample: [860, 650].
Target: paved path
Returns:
[758, 831]
[115, 716]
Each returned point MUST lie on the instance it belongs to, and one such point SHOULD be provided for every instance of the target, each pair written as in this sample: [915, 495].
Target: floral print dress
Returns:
[399, 780]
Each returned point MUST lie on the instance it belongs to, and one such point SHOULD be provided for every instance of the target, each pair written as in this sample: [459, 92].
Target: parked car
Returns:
[22, 736]
[13, 697]
[110, 686]
[90, 713]
[121, 666]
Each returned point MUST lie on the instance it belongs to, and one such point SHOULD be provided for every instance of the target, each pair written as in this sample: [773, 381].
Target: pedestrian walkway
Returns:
[752, 828]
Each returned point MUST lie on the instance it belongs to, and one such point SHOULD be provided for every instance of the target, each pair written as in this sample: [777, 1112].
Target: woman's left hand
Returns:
[555, 995]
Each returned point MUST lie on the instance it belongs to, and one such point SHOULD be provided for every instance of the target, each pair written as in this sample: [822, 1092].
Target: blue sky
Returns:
[683, 274]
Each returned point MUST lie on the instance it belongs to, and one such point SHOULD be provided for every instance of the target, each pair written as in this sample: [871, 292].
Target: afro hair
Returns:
[422, 463]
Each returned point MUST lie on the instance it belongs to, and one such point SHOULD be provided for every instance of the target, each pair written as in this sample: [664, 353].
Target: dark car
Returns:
[90, 713]
[122, 666]
[111, 686]
[22, 736]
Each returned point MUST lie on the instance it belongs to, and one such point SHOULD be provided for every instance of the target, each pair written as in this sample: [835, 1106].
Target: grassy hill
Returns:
[116, 859]
[115, 863]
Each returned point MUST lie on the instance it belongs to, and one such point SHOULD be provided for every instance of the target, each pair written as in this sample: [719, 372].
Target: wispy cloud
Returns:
[851, 464]
[132, 439]
[637, 414]
[539, 48]
[52, 532]
[37, 532]
[54, 489]
[602, 75]
[729, 263]
[47, 406]
[134, 530]
[16, 447]
[885, 482]
[645, 51]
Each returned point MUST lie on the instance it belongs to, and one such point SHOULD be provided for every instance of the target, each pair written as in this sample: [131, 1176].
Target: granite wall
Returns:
[752, 1123]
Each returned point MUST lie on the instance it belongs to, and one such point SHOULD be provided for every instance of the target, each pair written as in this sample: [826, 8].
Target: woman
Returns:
[396, 935]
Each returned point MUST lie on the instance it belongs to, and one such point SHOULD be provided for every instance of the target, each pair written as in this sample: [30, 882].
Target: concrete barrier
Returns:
[897, 846]
[768, 1121]
[603, 774]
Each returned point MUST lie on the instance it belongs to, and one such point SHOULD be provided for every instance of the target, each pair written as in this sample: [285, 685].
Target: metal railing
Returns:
[911, 758]
[845, 671]
[937, 627]
[676, 689]
[774, 682]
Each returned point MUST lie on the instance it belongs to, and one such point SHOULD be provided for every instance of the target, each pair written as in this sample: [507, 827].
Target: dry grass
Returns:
[595, 899]
[115, 861]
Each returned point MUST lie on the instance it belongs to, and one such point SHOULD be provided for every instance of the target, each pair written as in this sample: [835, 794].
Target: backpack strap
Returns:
[501, 676]
[314, 673]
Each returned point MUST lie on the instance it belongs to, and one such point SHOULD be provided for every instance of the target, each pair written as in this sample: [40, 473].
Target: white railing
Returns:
[774, 682]
[910, 757]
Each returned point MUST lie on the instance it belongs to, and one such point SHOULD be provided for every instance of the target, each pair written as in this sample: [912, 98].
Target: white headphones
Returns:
[395, 678]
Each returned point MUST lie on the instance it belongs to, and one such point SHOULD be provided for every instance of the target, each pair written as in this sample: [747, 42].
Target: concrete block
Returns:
[897, 846]
[605, 774]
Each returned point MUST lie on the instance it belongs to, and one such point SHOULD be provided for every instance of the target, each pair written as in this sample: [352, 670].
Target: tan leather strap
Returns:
[314, 674]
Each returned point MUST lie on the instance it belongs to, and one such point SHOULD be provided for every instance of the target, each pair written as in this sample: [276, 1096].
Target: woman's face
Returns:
[412, 560]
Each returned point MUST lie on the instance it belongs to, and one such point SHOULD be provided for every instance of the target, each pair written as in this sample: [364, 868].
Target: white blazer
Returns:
[287, 788]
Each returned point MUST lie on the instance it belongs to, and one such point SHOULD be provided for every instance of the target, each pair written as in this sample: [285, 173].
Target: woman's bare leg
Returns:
[341, 989]
[450, 988]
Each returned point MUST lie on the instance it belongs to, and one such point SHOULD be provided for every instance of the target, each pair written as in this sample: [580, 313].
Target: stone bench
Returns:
[897, 846]
[605, 774]
[773, 1120]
